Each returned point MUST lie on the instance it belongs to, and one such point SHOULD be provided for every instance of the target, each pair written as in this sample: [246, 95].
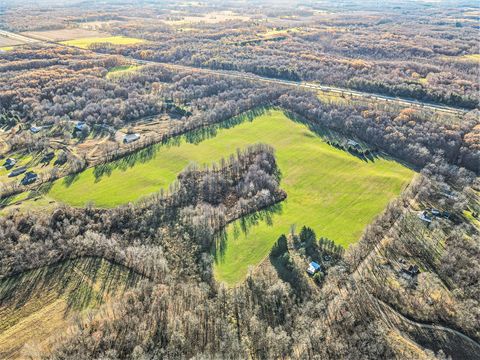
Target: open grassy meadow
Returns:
[119, 71]
[330, 190]
[85, 43]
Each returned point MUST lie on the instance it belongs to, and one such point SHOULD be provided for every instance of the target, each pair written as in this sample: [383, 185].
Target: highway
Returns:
[253, 77]
[311, 86]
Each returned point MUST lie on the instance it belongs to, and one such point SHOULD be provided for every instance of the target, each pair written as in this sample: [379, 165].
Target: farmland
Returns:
[328, 189]
[85, 43]
[239, 180]
[49, 297]
[64, 34]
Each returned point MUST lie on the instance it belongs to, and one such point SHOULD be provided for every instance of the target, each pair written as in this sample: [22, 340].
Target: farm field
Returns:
[85, 43]
[64, 34]
[41, 303]
[330, 190]
[209, 18]
[9, 42]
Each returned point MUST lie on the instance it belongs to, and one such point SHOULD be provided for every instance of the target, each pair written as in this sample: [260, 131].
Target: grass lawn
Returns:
[85, 43]
[330, 190]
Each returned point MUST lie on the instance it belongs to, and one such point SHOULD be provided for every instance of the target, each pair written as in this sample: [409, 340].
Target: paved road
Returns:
[312, 86]
[296, 84]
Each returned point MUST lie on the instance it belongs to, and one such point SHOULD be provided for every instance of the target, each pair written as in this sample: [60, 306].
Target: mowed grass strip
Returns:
[330, 190]
[85, 43]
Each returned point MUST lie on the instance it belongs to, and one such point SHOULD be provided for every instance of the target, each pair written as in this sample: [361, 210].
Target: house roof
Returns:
[314, 265]
[80, 125]
[131, 136]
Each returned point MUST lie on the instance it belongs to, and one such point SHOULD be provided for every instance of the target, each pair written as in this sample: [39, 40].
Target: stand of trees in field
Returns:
[144, 236]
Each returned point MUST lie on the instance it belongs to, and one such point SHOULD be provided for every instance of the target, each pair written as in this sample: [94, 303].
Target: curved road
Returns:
[253, 77]
[311, 86]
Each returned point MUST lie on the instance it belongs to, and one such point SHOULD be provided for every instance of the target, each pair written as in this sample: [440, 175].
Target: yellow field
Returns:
[39, 305]
[472, 58]
[86, 43]
[119, 71]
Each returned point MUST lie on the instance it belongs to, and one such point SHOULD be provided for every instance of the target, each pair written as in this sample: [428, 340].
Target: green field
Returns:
[330, 190]
[85, 43]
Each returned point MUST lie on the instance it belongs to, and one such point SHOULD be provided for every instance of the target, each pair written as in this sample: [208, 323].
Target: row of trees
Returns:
[419, 61]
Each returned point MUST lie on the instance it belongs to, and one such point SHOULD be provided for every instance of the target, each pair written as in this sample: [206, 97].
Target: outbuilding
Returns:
[129, 138]
[313, 268]
[9, 163]
[17, 171]
[29, 178]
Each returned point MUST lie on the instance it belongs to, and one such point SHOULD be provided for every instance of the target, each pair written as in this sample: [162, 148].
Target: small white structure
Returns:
[313, 267]
[353, 143]
[129, 138]
[36, 129]
[425, 217]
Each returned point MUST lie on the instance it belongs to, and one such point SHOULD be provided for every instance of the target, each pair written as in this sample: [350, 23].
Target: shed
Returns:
[313, 267]
[36, 129]
[129, 138]
[29, 178]
[9, 163]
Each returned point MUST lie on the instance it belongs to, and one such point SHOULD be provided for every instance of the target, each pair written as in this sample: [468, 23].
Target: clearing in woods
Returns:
[85, 43]
[330, 190]
[119, 71]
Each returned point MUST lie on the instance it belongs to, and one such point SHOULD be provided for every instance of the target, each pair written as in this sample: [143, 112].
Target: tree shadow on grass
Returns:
[198, 135]
[290, 275]
[243, 226]
[126, 162]
[193, 137]
[70, 179]
[337, 140]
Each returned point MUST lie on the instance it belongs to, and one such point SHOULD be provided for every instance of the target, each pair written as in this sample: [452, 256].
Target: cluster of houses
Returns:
[30, 176]
[127, 139]
[313, 268]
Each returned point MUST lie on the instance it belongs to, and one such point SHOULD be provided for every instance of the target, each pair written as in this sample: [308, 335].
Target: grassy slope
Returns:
[85, 43]
[41, 303]
[118, 71]
[328, 189]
